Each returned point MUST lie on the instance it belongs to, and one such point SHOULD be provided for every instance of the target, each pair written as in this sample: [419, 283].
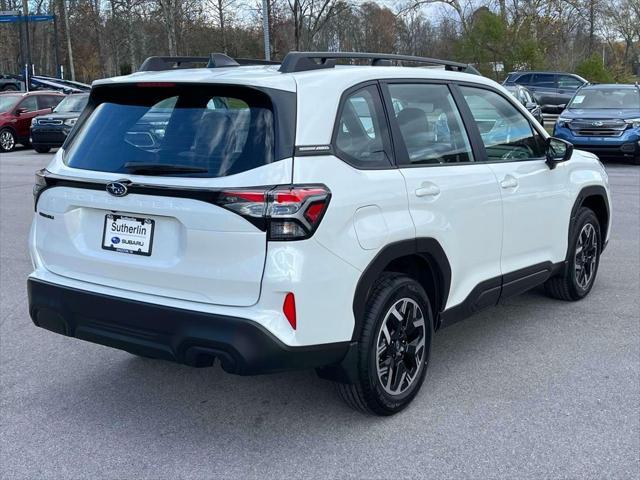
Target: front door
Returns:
[536, 203]
[452, 198]
[25, 111]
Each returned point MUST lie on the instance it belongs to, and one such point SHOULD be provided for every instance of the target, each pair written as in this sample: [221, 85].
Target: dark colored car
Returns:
[16, 112]
[9, 84]
[50, 131]
[605, 120]
[526, 98]
[552, 90]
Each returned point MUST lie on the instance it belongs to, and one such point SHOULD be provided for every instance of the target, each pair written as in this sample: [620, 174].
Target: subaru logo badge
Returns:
[598, 123]
[117, 189]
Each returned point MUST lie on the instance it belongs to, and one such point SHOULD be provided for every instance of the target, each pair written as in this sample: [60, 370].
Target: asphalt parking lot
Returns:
[534, 388]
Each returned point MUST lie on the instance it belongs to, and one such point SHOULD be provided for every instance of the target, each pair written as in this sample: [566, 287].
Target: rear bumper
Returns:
[184, 336]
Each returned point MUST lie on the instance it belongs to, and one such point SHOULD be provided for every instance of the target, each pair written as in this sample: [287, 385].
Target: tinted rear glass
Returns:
[176, 130]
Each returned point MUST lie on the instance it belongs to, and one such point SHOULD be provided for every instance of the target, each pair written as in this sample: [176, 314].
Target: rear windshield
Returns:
[176, 130]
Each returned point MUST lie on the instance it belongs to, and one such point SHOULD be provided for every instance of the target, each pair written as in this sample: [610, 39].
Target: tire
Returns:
[42, 149]
[636, 160]
[10, 88]
[7, 140]
[585, 246]
[380, 388]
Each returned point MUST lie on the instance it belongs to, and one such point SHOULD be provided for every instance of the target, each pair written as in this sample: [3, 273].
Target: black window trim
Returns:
[398, 155]
[387, 142]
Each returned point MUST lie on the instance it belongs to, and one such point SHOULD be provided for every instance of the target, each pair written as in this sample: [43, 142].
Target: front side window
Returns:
[430, 124]
[178, 130]
[506, 133]
[361, 134]
[29, 104]
[568, 82]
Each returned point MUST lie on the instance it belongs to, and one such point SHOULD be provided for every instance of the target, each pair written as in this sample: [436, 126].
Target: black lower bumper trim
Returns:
[184, 336]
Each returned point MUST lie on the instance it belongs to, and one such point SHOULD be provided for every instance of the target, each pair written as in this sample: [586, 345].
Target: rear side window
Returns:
[524, 79]
[179, 130]
[544, 80]
[361, 136]
[430, 125]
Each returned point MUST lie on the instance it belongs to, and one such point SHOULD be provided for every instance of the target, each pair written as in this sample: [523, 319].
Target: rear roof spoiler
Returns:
[214, 60]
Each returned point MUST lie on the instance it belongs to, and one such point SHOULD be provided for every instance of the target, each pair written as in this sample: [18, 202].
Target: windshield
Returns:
[180, 130]
[610, 98]
[7, 102]
[72, 103]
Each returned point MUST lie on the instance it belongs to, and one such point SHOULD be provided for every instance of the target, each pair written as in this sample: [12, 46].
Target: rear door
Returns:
[160, 191]
[452, 198]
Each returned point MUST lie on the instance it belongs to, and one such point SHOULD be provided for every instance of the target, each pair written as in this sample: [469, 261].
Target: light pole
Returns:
[265, 28]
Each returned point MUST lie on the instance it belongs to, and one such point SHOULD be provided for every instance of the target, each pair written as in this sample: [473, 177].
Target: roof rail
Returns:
[303, 61]
[214, 60]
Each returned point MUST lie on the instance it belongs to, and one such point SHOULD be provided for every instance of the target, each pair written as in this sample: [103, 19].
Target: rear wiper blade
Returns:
[160, 168]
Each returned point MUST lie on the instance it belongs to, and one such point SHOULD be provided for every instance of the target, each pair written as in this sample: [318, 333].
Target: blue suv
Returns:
[605, 120]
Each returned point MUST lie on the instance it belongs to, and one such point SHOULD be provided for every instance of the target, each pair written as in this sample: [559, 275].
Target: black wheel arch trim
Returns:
[428, 248]
[587, 192]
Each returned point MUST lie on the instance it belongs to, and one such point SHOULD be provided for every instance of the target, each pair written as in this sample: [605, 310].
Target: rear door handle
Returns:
[428, 189]
[509, 181]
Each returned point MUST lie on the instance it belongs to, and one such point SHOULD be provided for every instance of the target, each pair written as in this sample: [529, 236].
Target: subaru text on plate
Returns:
[306, 215]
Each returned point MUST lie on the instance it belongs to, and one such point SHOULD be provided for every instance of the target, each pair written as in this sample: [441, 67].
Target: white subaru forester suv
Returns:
[306, 215]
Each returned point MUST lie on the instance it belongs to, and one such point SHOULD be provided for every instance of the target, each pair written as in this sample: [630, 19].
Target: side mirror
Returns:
[562, 106]
[20, 111]
[531, 105]
[557, 150]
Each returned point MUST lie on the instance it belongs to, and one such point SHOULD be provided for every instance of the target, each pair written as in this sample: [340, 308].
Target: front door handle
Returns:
[509, 181]
[428, 189]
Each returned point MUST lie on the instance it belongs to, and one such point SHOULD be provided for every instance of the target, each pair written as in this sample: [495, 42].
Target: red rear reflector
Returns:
[289, 309]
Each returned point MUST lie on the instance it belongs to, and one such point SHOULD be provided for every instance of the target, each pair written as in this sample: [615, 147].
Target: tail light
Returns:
[285, 213]
[39, 186]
